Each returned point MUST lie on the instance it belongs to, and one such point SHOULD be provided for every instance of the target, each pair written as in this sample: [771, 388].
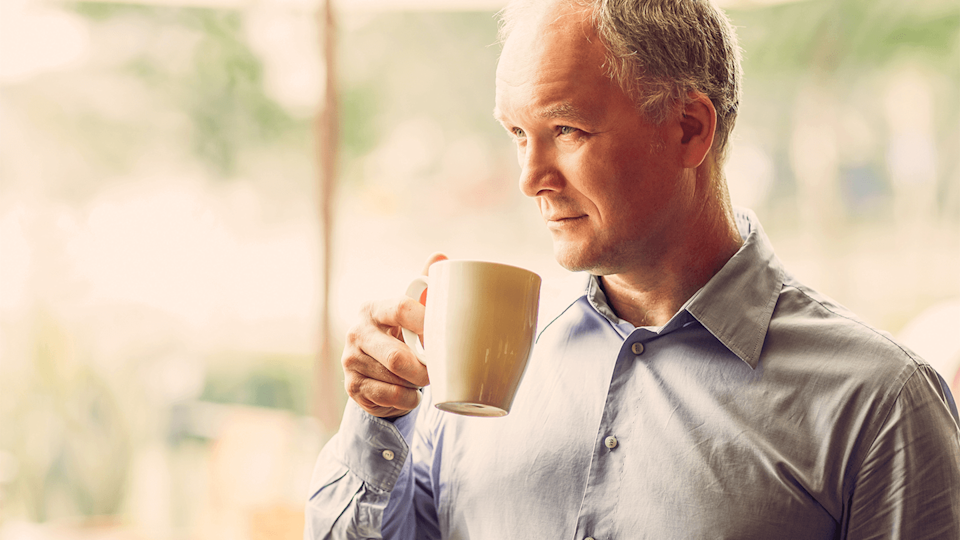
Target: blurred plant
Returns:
[216, 80]
[850, 51]
[65, 431]
[271, 381]
[859, 35]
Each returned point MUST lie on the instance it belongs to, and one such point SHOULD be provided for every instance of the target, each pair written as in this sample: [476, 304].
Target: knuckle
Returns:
[367, 308]
[392, 312]
[354, 334]
[353, 385]
[394, 359]
[350, 360]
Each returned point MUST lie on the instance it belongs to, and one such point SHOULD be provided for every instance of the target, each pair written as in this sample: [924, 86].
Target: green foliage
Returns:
[271, 381]
[830, 34]
[66, 432]
[221, 91]
[224, 93]
[359, 106]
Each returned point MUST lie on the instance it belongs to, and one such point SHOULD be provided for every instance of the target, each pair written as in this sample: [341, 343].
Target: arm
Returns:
[361, 471]
[363, 484]
[909, 484]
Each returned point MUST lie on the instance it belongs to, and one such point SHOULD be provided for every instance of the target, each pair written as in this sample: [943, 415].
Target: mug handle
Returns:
[415, 290]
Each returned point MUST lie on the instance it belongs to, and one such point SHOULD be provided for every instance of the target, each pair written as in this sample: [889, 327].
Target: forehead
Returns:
[551, 52]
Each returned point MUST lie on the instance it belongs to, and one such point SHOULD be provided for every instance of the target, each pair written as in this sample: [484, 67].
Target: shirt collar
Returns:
[735, 305]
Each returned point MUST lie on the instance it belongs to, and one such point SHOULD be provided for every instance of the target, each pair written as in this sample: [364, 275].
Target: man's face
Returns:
[606, 182]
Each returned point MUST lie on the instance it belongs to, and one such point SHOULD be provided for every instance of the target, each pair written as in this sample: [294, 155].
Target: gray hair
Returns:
[659, 51]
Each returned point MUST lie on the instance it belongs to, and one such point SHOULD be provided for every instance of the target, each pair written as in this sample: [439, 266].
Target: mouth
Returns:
[560, 222]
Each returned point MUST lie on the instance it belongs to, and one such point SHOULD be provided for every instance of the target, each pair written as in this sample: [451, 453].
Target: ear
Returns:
[698, 122]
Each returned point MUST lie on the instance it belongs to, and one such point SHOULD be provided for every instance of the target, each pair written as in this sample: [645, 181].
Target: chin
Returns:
[577, 259]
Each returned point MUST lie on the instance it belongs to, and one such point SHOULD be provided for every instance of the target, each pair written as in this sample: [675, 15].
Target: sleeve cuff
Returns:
[373, 448]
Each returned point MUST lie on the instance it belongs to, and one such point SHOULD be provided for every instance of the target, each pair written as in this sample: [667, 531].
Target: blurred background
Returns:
[183, 242]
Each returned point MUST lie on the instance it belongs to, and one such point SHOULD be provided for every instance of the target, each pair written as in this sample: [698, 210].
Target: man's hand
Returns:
[381, 373]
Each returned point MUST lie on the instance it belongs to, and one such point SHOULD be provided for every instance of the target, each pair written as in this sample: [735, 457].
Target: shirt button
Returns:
[610, 442]
[388, 455]
[637, 348]
[588, 538]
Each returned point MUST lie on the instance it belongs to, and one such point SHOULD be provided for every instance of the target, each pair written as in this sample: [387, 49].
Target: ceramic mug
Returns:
[478, 333]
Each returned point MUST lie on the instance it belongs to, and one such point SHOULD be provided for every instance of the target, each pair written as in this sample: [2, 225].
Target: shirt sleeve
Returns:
[361, 471]
[908, 486]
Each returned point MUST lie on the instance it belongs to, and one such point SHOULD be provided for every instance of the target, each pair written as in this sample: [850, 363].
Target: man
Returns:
[688, 387]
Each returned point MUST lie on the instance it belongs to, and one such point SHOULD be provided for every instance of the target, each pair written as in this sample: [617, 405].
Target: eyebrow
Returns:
[561, 110]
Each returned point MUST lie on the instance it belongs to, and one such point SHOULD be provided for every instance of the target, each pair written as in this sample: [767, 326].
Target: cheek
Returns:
[590, 175]
[619, 213]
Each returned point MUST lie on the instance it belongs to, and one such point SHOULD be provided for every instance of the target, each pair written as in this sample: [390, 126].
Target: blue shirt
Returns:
[762, 409]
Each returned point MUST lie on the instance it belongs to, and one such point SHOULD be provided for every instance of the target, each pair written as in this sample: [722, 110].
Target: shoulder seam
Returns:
[862, 324]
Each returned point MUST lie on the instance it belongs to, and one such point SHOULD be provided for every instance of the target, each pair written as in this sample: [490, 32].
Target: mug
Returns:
[478, 333]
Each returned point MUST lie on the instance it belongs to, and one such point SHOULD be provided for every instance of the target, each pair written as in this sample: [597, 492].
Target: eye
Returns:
[567, 130]
[518, 133]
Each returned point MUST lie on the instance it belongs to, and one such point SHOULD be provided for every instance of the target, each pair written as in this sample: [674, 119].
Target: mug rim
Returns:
[490, 263]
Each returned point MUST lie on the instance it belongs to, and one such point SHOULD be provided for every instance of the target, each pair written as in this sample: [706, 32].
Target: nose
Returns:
[539, 171]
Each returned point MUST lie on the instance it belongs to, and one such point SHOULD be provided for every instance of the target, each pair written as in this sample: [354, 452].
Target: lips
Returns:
[563, 217]
[555, 213]
[559, 222]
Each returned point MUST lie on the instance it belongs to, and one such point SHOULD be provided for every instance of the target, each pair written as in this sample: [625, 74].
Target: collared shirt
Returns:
[762, 409]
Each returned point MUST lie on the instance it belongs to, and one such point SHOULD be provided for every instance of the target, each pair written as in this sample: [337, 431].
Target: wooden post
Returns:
[328, 390]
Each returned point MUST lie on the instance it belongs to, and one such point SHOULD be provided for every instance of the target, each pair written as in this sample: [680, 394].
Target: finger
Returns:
[378, 394]
[400, 312]
[372, 386]
[382, 412]
[395, 357]
[382, 399]
[368, 367]
[375, 339]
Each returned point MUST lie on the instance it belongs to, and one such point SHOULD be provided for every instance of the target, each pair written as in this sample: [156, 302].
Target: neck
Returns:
[652, 291]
